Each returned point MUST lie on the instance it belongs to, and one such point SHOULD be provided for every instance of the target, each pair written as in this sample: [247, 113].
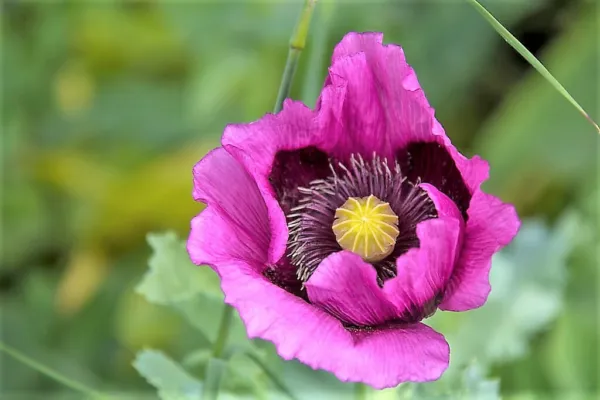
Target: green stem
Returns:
[297, 43]
[223, 334]
[317, 53]
[360, 391]
[212, 380]
[17, 355]
[216, 366]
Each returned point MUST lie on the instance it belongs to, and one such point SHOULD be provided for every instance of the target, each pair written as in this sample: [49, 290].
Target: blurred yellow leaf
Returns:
[85, 271]
[74, 88]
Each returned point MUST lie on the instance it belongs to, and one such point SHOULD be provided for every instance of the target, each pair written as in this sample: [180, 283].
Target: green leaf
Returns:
[173, 280]
[171, 380]
[471, 385]
[477, 387]
[172, 276]
[531, 59]
[194, 292]
[197, 358]
[203, 313]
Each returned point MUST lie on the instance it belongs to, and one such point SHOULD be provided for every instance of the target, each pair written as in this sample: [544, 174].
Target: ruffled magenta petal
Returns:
[474, 170]
[444, 206]
[235, 208]
[355, 42]
[381, 358]
[492, 225]
[372, 101]
[424, 272]
[255, 146]
[346, 287]
[382, 107]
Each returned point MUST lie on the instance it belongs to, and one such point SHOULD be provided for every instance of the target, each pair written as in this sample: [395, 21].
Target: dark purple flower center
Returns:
[311, 237]
[431, 163]
[309, 186]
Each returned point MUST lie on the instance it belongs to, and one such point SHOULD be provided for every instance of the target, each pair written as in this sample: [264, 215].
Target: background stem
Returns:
[273, 377]
[297, 43]
[317, 53]
[360, 391]
[223, 333]
[216, 366]
[89, 392]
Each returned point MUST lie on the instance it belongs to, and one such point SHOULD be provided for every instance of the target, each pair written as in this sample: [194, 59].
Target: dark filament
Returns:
[311, 238]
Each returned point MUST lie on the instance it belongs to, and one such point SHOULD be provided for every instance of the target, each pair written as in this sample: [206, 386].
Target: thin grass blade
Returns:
[68, 382]
[530, 58]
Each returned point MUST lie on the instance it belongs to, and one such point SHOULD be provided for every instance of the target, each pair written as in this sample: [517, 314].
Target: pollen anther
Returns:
[366, 226]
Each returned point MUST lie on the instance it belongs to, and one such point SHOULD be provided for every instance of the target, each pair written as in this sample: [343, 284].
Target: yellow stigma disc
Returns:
[366, 226]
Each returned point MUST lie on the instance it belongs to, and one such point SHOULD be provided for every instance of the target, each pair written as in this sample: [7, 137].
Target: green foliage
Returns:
[193, 291]
[470, 385]
[172, 278]
[171, 381]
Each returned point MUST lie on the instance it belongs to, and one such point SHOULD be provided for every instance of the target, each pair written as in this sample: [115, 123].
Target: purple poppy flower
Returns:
[336, 231]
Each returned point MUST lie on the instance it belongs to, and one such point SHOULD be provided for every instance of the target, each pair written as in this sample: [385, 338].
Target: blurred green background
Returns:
[108, 104]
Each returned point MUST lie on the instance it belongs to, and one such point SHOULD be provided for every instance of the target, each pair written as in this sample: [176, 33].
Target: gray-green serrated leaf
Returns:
[306, 383]
[472, 385]
[172, 277]
[173, 280]
[171, 380]
[168, 377]
[477, 387]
